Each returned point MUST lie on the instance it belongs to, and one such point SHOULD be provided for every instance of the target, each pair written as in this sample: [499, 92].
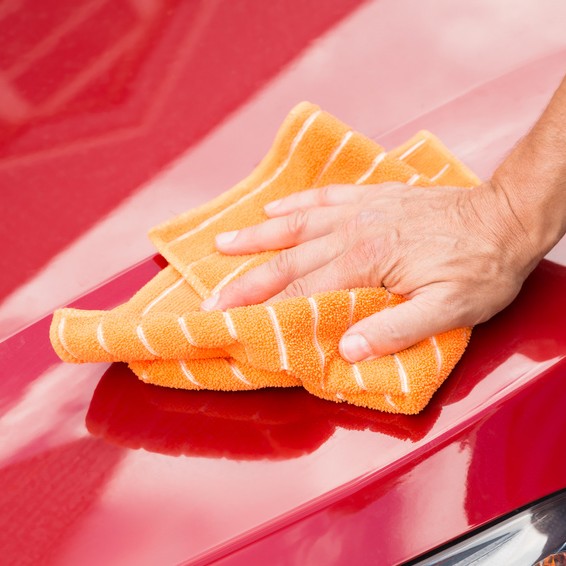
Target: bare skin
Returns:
[458, 255]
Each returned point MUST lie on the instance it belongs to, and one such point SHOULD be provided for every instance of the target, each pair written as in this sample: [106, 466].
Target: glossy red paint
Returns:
[494, 463]
[99, 468]
[463, 74]
[264, 470]
[90, 86]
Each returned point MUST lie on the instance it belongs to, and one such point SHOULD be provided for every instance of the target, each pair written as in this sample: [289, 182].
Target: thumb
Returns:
[394, 329]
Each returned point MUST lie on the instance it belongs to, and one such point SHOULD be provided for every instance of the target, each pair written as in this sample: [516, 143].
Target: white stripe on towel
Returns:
[358, 377]
[390, 402]
[231, 276]
[402, 374]
[306, 125]
[143, 340]
[377, 160]
[181, 322]
[100, 338]
[438, 354]
[352, 296]
[440, 173]
[60, 333]
[188, 373]
[334, 155]
[162, 295]
[237, 373]
[230, 325]
[412, 149]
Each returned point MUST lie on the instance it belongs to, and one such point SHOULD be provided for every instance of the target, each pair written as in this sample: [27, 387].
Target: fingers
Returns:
[283, 232]
[336, 274]
[327, 196]
[397, 328]
[265, 281]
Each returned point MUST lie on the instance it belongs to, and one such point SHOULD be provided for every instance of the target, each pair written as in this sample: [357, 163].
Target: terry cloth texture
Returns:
[167, 340]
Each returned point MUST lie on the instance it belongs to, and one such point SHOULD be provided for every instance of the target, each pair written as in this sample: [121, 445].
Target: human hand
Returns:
[458, 255]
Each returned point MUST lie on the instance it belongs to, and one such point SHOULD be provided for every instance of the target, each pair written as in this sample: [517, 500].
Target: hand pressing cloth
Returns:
[167, 340]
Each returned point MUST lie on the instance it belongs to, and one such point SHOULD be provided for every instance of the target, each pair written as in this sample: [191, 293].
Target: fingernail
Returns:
[210, 303]
[354, 348]
[226, 237]
[270, 206]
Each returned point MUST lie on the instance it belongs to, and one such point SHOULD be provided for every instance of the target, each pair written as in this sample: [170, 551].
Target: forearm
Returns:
[533, 177]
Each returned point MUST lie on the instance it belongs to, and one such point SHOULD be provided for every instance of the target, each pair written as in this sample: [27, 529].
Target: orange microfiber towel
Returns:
[167, 340]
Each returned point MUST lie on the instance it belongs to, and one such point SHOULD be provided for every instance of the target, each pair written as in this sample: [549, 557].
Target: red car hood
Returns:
[97, 467]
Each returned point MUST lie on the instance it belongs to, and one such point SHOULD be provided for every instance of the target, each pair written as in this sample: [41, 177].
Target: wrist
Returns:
[533, 182]
[509, 238]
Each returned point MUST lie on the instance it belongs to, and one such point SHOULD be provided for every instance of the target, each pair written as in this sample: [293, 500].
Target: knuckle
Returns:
[282, 264]
[296, 222]
[230, 295]
[366, 252]
[391, 332]
[361, 220]
[234, 289]
[249, 234]
[345, 264]
[350, 228]
[324, 195]
[298, 288]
